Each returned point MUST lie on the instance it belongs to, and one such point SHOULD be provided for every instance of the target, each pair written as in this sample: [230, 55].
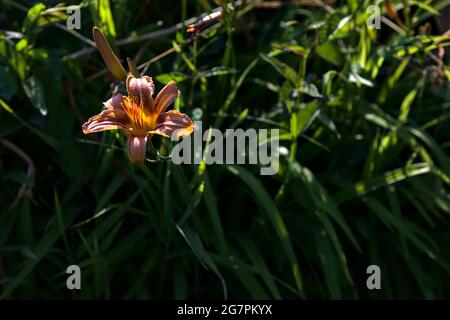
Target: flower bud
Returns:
[111, 60]
[137, 146]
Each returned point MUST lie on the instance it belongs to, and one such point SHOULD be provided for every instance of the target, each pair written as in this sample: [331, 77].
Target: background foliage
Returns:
[364, 171]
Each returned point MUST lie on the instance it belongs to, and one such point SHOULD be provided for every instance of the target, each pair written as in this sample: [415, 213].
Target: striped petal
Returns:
[106, 120]
[166, 96]
[174, 122]
[113, 116]
[141, 91]
[115, 103]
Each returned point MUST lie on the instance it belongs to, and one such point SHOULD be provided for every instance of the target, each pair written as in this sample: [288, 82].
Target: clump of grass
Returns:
[363, 114]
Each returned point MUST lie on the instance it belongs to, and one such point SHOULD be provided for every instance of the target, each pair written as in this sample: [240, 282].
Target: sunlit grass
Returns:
[364, 174]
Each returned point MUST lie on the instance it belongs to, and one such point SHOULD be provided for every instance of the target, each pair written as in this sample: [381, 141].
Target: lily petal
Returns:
[136, 146]
[173, 120]
[141, 90]
[115, 103]
[106, 120]
[166, 96]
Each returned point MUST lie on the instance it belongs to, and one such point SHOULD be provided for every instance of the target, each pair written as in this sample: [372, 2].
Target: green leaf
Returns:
[330, 52]
[112, 188]
[407, 228]
[328, 261]
[35, 92]
[51, 15]
[309, 89]
[356, 78]
[211, 205]
[323, 201]
[50, 140]
[8, 83]
[342, 29]
[216, 72]
[283, 69]
[423, 5]
[233, 92]
[38, 54]
[196, 245]
[388, 178]
[406, 105]
[21, 44]
[102, 14]
[40, 251]
[274, 217]
[32, 16]
[252, 284]
[305, 117]
[14, 58]
[176, 76]
[259, 263]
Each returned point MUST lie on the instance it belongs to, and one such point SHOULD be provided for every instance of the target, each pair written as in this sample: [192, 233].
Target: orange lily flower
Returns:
[139, 115]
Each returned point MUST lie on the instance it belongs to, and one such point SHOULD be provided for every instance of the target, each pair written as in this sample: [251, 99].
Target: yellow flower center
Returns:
[142, 119]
